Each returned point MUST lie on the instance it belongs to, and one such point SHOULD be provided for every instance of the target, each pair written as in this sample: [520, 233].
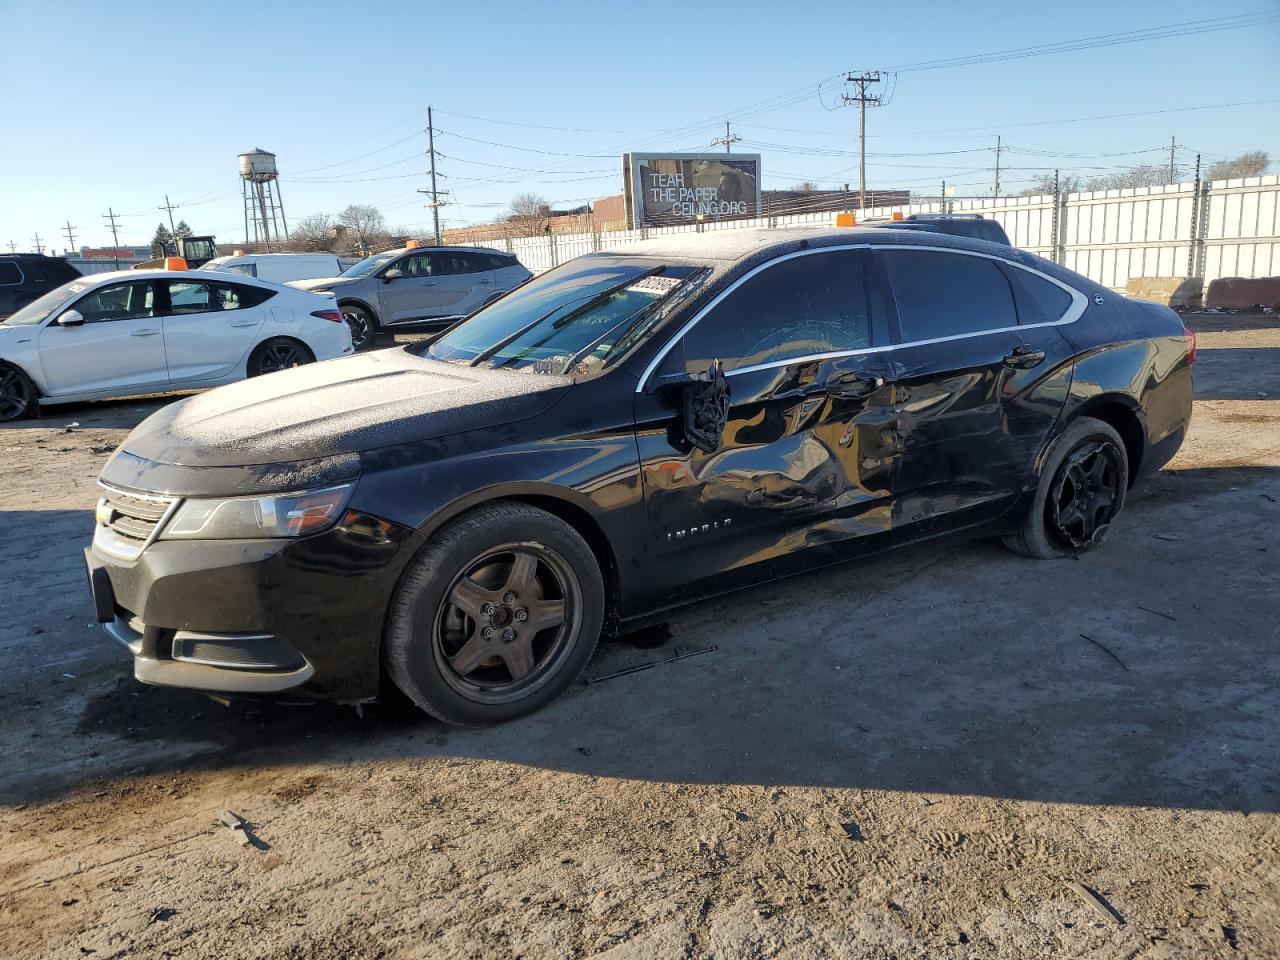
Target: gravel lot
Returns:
[919, 758]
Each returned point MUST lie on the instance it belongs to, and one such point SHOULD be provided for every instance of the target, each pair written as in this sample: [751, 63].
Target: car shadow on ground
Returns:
[943, 668]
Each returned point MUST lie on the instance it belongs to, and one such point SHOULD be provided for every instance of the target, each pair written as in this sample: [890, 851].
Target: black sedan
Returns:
[629, 432]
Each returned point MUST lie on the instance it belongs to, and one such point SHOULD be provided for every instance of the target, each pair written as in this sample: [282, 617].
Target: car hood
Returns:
[337, 408]
[323, 283]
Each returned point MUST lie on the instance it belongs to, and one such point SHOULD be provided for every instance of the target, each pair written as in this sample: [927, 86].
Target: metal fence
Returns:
[1223, 228]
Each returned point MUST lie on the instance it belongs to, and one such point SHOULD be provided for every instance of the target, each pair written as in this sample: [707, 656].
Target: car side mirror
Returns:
[71, 318]
[392, 274]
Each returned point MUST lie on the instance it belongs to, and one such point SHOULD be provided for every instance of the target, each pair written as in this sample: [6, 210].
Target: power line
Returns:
[1211, 24]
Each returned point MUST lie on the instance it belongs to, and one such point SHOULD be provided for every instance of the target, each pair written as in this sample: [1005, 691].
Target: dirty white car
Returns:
[136, 332]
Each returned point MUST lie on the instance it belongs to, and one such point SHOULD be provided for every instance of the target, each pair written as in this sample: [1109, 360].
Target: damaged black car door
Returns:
[800, 460]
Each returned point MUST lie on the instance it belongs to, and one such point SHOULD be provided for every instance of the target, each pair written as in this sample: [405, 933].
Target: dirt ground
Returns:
[922, 757]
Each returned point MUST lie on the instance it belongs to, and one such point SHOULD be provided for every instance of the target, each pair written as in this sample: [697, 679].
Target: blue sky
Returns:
[118, 104]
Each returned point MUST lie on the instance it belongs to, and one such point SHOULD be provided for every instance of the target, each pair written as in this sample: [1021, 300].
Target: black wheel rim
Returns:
[507, 623]
[359, 324]
[280, 356]
[14, 396]
[1086, 494]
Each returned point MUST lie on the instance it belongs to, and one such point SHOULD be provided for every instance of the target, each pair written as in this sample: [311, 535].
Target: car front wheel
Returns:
[497, 615]
[1081, 491]
[17, 393]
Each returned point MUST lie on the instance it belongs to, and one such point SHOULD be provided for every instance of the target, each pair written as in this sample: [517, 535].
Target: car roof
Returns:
[730, 246]
[219, 276]
[444, 248]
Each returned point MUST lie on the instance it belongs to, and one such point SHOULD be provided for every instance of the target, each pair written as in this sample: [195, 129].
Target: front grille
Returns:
[131, 517]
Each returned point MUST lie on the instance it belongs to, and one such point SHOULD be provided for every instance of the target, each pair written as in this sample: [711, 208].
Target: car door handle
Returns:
[144, 333]
[1024, 357]
[484, 280]
[244, 323]
[849, 385]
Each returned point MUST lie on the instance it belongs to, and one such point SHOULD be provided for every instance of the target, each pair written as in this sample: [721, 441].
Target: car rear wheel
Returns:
[17, 393]
[364, 328]
[278, 353]
[1081, 491]
[497, 615]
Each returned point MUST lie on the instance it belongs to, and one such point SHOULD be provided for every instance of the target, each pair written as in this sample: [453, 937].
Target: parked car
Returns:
[133, 332]
[628, 432]
[425, 288]
[972, 225]
[277, 267]
[26, 276]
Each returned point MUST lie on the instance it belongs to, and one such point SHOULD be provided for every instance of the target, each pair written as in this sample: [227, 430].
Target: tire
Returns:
[364, 326]
[278, 353]
[17, 394]
[1081, 491]
[468, 580]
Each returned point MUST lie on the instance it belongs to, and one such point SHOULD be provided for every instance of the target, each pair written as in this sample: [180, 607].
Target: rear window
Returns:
[9, 274]
[947, 294]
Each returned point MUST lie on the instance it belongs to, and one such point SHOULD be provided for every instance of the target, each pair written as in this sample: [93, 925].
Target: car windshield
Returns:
[369, 264]
[573, 318]
[38, 310]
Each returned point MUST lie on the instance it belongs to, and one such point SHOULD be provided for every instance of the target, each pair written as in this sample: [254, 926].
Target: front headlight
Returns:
[255, 518]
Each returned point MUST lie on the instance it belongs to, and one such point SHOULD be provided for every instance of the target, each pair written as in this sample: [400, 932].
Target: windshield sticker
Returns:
[655, 285]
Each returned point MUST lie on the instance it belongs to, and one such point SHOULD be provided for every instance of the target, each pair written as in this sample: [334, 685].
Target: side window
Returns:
[470, 263]
[188, 297]
[947, 294]
[246, 296]
[416, 265]
[9, 274]
[244, 269]
[497, 262]
[120, 301]
[806, 305]
[1038, 300]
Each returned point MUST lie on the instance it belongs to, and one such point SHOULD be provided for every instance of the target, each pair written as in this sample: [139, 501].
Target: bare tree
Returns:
[1251, 164]
[528, 214]
[1143, 175]
[365, 226]
[804, 186]
[1043, 184]
[314, 233]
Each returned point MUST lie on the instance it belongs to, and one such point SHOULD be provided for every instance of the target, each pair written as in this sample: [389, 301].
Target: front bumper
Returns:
[256, 617]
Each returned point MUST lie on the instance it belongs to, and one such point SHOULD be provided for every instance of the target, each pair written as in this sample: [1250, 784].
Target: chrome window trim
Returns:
[1073, 313]
[22, 276]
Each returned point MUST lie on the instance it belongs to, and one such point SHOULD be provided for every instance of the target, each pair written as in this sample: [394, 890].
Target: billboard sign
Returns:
[662, 189]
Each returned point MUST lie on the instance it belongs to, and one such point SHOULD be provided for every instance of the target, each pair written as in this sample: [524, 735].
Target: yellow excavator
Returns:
[197, 251]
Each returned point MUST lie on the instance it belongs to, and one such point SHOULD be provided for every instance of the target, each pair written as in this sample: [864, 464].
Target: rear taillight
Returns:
[334, 315]
[1190, 336]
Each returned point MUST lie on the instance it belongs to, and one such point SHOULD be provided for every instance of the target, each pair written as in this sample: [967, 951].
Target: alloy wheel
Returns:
[506, 622]
[1086, 494]
[361, 329]
[281, 356]
[15, 396]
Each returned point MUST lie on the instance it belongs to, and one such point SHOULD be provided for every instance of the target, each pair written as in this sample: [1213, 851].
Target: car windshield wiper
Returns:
[591, 300]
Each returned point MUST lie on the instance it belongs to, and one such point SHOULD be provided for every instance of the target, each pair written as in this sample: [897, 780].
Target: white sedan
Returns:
[152, 331]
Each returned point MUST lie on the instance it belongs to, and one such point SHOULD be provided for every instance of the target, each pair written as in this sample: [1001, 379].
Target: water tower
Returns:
[264, 220]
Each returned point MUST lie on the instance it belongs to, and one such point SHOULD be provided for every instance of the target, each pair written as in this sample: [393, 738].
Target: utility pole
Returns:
[862, 99]
[433, 192]
[71, 237]
[728, 139]
[170, 207]
[39, 248]
[995, 189]
[13, 247]
[111, 216]
[1173, 145]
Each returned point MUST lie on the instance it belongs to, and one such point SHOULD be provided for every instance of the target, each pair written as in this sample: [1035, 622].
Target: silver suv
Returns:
[426, 288]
